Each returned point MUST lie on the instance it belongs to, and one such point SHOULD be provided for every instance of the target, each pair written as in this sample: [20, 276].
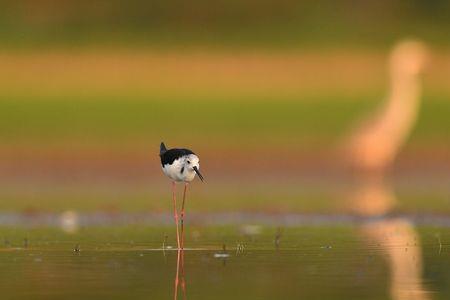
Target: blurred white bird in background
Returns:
[374, 144]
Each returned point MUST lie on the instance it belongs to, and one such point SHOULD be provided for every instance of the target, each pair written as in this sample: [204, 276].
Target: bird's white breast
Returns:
[173, 171]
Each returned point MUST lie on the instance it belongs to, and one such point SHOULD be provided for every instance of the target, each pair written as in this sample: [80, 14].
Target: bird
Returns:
[375, 143]
[180, 165]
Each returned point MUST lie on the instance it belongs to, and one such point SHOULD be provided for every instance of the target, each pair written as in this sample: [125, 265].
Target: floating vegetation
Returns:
[240, 249]
[277, 238]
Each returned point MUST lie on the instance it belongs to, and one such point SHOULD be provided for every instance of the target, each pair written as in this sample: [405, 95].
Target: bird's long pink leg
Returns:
[175, 212]
[182, 215]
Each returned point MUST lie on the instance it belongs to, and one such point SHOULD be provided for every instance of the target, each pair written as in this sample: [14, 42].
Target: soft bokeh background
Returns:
[263, 91]
[266, 93]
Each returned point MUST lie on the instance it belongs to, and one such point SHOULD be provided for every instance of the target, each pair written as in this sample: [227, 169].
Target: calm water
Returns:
[389, 258]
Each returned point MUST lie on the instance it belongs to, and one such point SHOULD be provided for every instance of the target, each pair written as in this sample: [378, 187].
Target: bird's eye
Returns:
[188, 162]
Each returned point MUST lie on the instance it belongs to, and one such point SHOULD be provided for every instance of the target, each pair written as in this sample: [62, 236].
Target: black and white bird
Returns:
[180, 165]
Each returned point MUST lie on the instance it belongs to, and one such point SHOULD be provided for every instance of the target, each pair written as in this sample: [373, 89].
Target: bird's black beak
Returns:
[198, 173]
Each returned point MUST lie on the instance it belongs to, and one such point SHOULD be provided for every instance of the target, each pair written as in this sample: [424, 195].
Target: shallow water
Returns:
[390, 258]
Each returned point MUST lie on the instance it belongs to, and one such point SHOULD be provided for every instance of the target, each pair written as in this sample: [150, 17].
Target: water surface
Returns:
[389, 258]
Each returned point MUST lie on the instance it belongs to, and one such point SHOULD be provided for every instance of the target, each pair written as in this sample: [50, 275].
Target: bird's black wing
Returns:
[171, 155]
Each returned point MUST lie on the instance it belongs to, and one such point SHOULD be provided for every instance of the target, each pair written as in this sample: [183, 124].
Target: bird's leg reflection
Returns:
[179, 275]
[175, 296]
[399, 240]
[182, 280]
[396, 237]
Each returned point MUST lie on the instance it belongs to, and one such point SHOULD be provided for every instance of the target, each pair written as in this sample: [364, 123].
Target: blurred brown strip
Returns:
[81, 164]
[112, 70]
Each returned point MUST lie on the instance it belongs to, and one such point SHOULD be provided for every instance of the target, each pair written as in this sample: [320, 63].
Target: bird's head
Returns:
[192, 164]
[409, 58]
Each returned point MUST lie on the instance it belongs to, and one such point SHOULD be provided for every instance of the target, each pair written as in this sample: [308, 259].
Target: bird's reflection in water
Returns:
[396, 237]
[179, 276]
[400, 242]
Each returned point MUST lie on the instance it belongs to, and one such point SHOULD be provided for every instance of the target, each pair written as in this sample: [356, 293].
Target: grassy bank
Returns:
[271, 120]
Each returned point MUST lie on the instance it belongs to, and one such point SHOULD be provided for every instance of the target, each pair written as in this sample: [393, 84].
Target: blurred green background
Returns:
[264, 91]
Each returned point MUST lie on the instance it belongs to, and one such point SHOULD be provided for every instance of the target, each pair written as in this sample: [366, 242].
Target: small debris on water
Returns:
[240, 248]
[326, 247]
[277, 239]
[221, 255]
[438, 237]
